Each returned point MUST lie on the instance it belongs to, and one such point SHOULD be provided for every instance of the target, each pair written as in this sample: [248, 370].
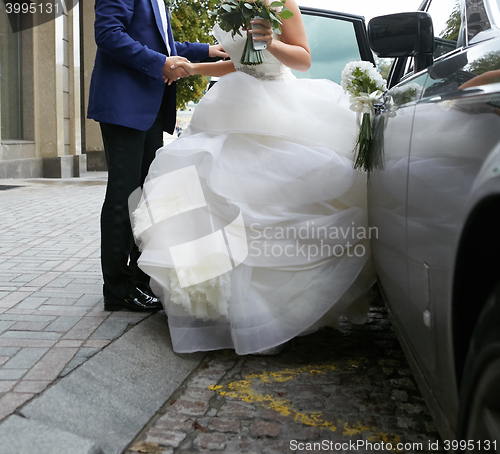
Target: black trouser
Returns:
[129, 153]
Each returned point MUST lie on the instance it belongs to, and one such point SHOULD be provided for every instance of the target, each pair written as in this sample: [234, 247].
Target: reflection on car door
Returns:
[387, 201]
[455, 128]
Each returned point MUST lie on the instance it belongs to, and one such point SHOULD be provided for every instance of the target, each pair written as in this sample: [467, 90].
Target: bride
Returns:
[253, 223]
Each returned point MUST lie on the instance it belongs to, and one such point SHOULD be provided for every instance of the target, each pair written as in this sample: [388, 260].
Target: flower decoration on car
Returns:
[366, 88]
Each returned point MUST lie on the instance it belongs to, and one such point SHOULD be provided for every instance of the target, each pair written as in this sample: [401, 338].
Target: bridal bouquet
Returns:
[366, 87]
[233, 15]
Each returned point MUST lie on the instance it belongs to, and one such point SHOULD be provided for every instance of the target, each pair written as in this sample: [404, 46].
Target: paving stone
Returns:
[237, 409]
[175, 422]
[60, 282]
[8, 351]
[89, 300]
[166, 437]
[45, 278]
[6, 385]
[84, 328]
[31, 302]
[63, 323]
[110, 329]
[96, 343]
[26, 358]
[29, 335]
[25, 278]
[5, 325]
[82, 356]
[210, 441]
[49, 367]
[10, 402]
[63, 310]
[10, 342]
[72, 365]
[261, 428]
[60, 301]
[32, 386]
[58, 293]
[11, 374]
[186, 407]
[26, 318]
[29, 326]
[20, 311]
[224, 425]
[195, 394]
[14, 298]
[20, 435]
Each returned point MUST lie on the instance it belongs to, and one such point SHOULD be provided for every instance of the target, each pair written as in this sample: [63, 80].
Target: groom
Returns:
[132, 96]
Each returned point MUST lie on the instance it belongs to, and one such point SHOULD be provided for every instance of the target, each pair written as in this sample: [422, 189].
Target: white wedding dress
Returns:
[253, 224]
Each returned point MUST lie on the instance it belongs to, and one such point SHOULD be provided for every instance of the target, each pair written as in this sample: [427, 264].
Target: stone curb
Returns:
[24, 436]
[111, 397]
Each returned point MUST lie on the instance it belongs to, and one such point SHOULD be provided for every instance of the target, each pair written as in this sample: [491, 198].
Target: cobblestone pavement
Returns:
[341, 389]
[51, 312]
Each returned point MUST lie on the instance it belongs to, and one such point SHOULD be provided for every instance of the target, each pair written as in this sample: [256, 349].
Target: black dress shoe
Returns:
[137, 301]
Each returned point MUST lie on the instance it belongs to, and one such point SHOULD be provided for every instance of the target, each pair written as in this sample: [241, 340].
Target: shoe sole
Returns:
[112, 307]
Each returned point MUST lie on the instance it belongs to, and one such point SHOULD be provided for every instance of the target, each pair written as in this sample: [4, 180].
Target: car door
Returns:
[335, 39]
[456, 126]
[404, 276]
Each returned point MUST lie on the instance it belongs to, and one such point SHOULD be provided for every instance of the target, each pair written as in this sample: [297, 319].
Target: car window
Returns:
[477, 20]
[446, 19]
[333, 44]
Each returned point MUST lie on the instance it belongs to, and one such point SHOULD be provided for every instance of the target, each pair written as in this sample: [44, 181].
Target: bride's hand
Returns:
[264, 31]
[186, 66]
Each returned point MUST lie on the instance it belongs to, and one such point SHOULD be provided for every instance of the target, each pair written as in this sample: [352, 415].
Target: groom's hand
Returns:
[172, 72]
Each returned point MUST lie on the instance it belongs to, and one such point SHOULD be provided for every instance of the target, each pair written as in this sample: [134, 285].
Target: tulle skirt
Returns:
[253, 224]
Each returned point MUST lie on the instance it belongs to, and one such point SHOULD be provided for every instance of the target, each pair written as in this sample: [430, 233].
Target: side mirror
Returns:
[403, 35]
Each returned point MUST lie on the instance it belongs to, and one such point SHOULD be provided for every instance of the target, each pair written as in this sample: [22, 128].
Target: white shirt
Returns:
[163, 15]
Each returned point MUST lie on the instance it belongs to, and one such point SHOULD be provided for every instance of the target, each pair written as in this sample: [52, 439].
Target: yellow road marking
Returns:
[244, 391]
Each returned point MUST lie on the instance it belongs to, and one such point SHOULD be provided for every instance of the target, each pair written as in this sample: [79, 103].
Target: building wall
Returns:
[49, 141]
[94, 148]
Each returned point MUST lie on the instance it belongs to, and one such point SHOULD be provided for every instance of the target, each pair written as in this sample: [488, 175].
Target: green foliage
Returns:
[236, 14]
[453, 25]
[191, 21]
[490, 62]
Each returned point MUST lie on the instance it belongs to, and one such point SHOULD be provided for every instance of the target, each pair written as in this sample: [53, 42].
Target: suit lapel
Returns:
[159, 22]
[171, 41]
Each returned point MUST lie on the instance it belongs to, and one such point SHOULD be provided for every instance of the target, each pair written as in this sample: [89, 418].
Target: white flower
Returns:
[361, 77]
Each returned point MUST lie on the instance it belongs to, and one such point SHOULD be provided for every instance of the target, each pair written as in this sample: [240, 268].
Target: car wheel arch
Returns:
[476, 274]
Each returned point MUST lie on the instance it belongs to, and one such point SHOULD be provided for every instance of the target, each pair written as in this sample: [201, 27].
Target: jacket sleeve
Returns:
[192, 51]
[112, 18]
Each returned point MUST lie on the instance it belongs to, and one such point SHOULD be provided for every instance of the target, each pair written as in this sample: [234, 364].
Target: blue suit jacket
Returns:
[127, 85]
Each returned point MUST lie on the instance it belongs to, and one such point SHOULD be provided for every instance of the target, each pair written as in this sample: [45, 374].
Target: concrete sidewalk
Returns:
[59, 390]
